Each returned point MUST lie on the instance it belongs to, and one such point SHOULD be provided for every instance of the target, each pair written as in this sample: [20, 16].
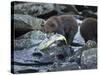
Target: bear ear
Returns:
[43, 23]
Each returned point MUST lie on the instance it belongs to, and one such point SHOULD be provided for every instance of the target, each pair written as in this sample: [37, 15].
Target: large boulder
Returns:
[34, 9]
[24, 69]
[36, 35]
[28, 40]
[25, 43]
[43, 10]
[78, 54]
[25, 23]
[65, 66]
[89, 59]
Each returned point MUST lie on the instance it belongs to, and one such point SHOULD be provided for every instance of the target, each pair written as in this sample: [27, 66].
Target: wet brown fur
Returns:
[88, 29]
[64, 24]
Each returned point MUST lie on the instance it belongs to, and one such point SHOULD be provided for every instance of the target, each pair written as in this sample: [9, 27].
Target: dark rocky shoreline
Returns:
[27, 20]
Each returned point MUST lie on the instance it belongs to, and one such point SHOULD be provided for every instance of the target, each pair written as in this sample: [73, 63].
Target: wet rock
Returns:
[24, 69]
[46, 59]
[33, 8]
[28, 57]
[28, 71]
[89, 59]
[76, 57]
[35, 64]
[25, 43]
[64, 52]
[91, 44]
[66, 66]
[77, 54]
[37, 54]
[66, 9]
[17, 2]
[24, 56]
[44, 10]
[28, 40]
[60, 52]
[89, 13]
[35, 35]
[46, 43]
[33, 22]
[25, 23]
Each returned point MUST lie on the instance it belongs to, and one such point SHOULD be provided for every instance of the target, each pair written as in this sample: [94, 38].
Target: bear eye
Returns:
[52, 25]
[42, 25]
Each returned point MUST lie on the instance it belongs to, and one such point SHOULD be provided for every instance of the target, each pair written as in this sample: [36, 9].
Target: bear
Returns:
[65, 25]
[88, 29]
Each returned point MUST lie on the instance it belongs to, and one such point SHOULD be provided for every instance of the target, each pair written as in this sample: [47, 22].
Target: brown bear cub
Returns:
[88, 29]
[64, 24]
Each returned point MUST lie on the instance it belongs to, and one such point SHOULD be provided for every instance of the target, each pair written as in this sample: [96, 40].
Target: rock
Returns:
[88, 45]
[24, 56]
[46, 59]
[28, 40]
[31, 22]
[25, 43]
[66, 9]
[35, 35]
[25, 23]
[91, 44]
[60, 53]
[89, 59]
[89, 13]
[24, 69]
[28, 71]
[37, 54]
[46, 43]
[76, 57]
[77, 54]
[43, 10]
[35, 9]
[54, 51]
[66, 66]
[63, 52]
